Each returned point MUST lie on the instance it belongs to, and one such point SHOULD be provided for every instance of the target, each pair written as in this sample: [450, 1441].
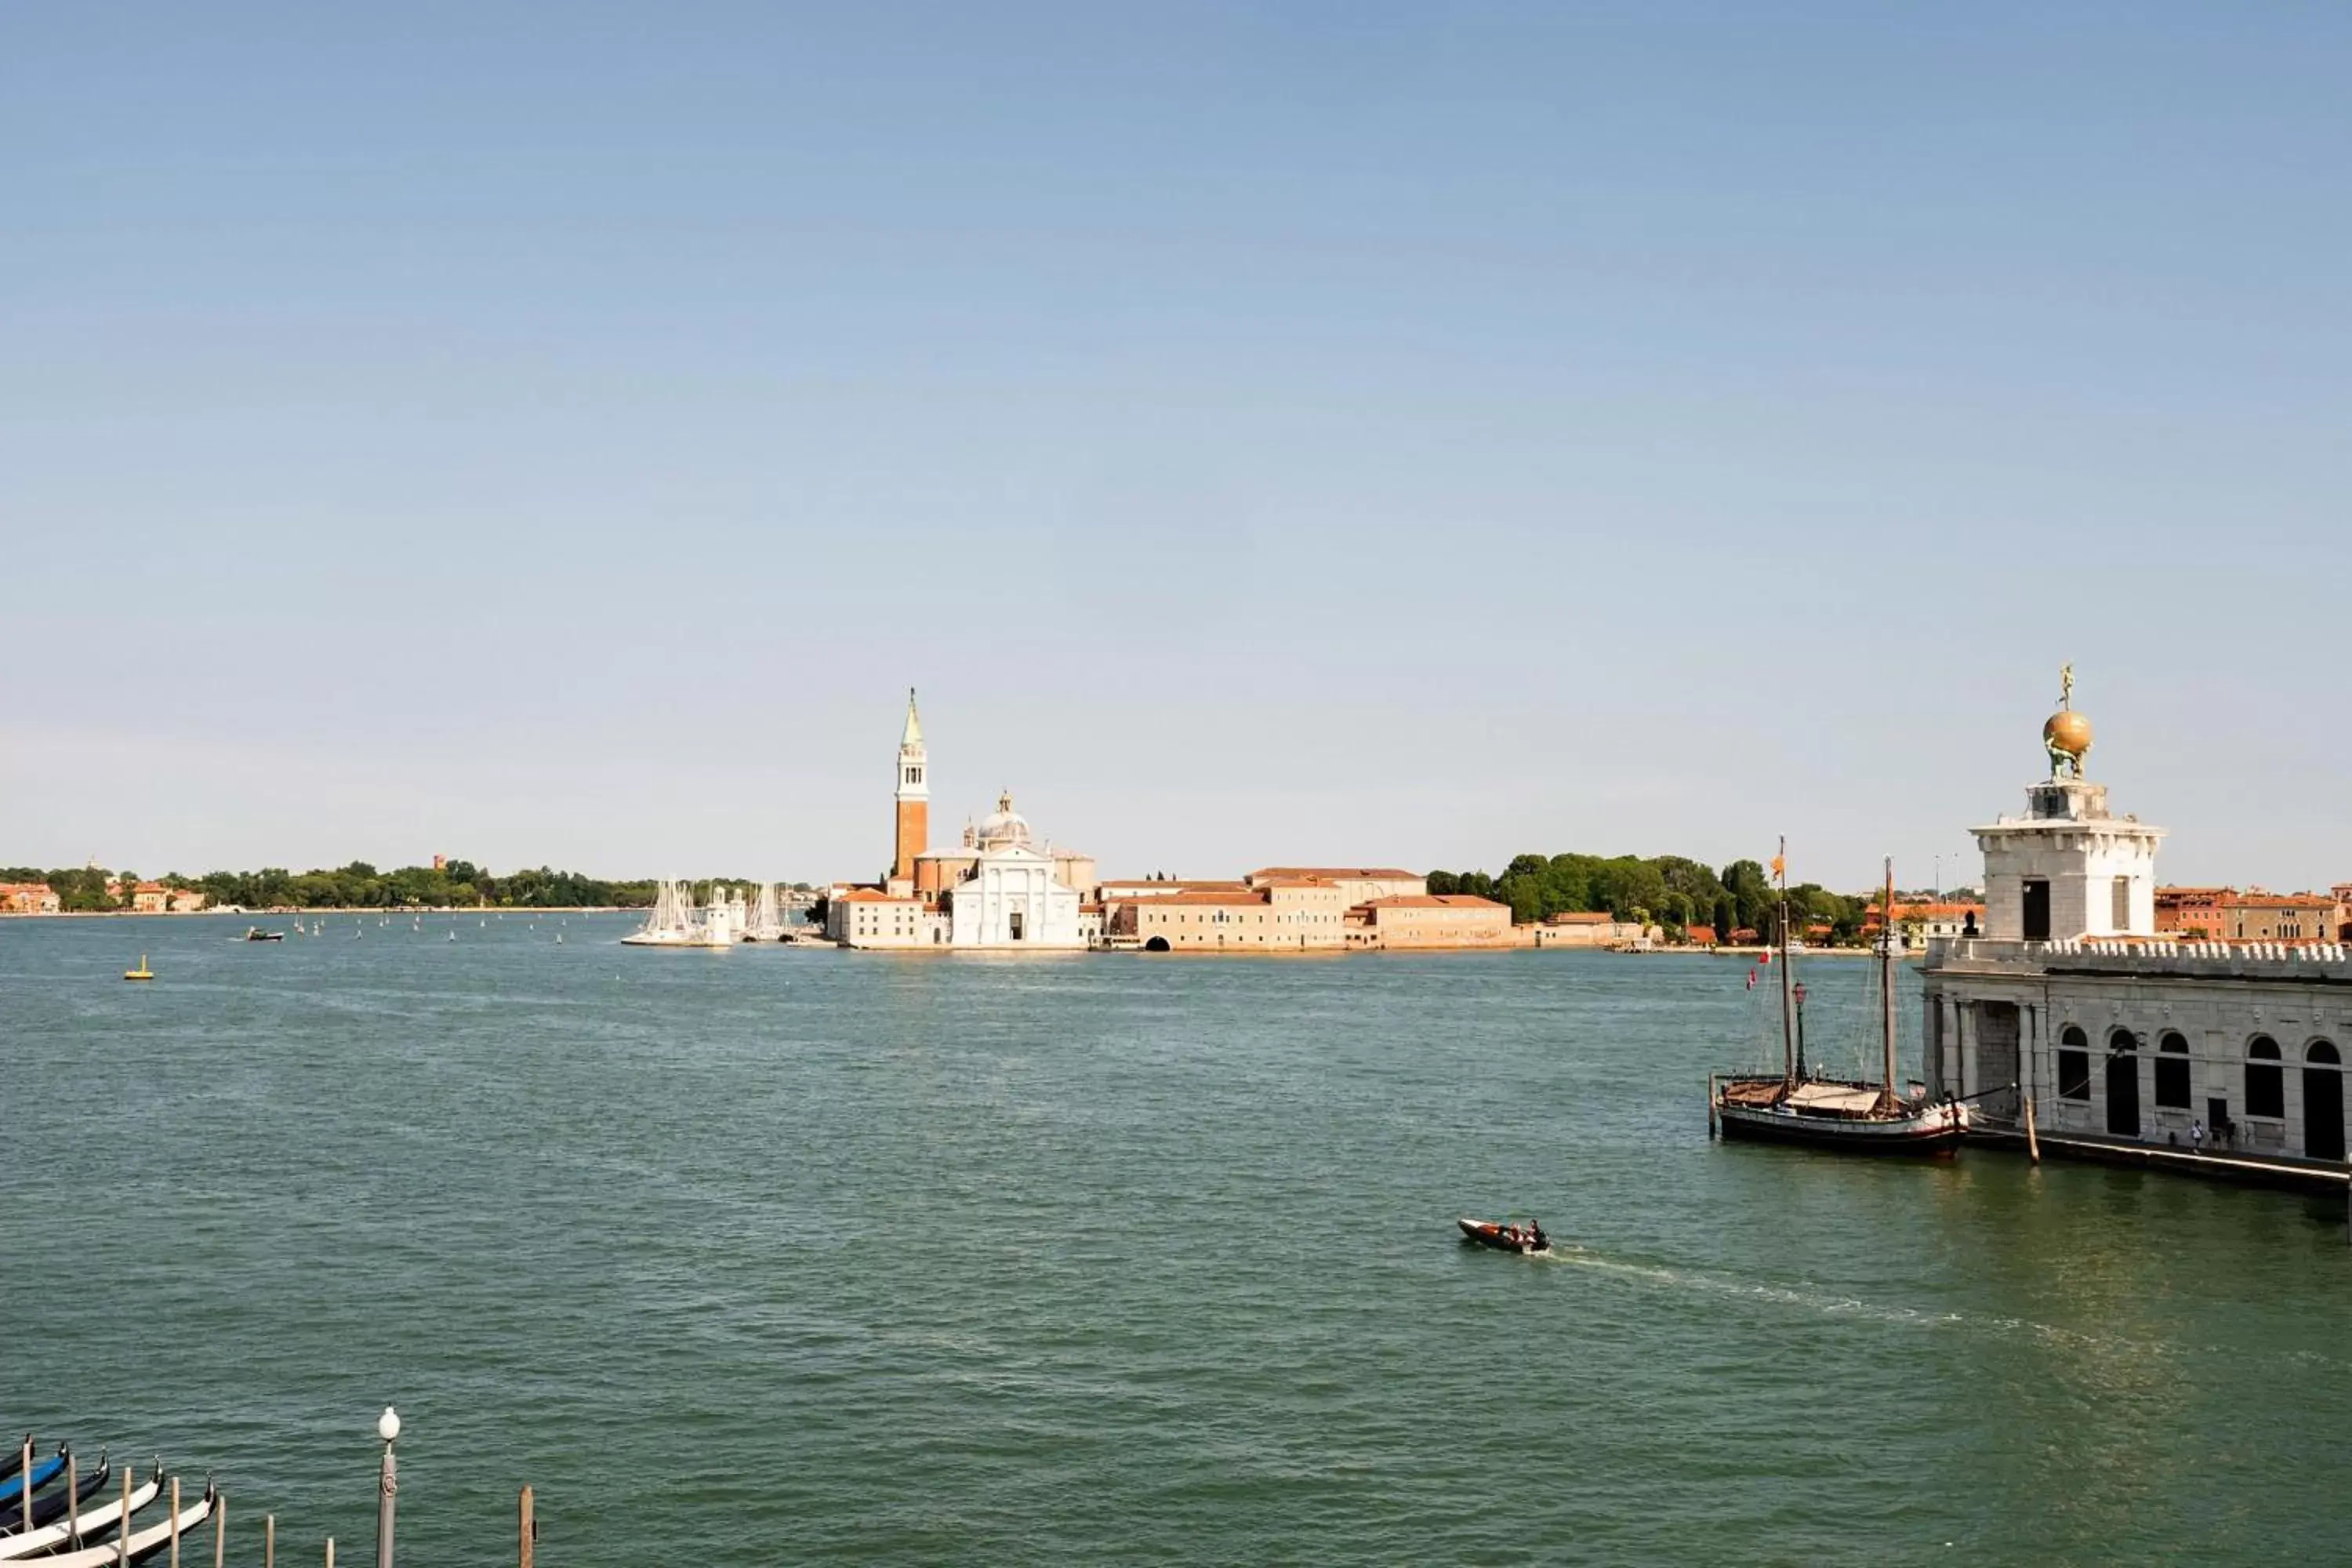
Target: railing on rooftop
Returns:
[2146, 952]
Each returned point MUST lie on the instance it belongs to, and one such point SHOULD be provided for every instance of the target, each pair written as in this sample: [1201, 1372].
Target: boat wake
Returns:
[1827, 1303]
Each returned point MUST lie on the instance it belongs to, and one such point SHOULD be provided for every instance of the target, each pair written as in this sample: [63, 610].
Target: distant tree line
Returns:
[356, 886]
[82, 888]
[1664, 890]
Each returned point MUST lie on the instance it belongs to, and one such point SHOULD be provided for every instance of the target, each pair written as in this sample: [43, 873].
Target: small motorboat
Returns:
[255, 933]
[1505, 1236]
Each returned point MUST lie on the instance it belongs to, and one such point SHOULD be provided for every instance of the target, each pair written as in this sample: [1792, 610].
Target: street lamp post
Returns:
[1801, 1061]
[387, 1426]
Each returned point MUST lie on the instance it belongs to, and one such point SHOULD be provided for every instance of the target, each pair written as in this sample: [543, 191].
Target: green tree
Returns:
[1752, 895]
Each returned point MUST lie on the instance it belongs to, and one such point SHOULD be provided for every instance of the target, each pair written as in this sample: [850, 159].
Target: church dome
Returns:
[1005, 827]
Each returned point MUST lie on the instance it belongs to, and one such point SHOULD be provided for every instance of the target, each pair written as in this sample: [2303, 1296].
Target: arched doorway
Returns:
[2123, 1085]
[2323, 1102]
[1157, 944]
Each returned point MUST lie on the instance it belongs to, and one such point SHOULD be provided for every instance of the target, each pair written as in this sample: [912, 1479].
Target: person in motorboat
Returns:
[1537, 1239]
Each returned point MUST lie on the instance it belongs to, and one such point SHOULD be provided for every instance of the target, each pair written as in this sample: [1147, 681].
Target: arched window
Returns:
[2172, 1071]
[2073, 1064]
[2265, 1085]
[2123, 1083]
[2322, 1051]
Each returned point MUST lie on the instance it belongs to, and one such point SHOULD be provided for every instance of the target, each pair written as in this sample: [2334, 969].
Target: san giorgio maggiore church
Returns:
[999, 888]
[2070, 1010]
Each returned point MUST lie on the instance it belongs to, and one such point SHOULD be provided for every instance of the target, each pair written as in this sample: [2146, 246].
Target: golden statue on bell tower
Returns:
[2066, 734]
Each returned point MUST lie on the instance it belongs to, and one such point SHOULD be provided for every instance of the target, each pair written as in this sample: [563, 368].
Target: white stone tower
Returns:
[2068, 868]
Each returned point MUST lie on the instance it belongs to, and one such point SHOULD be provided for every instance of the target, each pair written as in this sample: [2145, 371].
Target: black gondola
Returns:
[49, 1506]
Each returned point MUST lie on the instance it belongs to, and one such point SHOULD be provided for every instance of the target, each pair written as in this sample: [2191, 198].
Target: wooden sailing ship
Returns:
[1797, 1107]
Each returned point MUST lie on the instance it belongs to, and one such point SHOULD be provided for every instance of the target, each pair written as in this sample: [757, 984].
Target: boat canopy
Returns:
[1844, 1098]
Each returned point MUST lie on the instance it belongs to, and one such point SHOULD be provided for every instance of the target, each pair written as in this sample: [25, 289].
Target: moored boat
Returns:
[1505, 1236]
[44, 1472]
[90, 1526]
[55, 1505]
[1831, 1114]
[1797, 1107]
[139, 1545]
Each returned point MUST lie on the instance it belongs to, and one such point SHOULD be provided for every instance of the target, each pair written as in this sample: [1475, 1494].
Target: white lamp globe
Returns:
[387, 1426]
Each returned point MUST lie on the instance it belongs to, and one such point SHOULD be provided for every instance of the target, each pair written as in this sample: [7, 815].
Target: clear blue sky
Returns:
[1364, 432]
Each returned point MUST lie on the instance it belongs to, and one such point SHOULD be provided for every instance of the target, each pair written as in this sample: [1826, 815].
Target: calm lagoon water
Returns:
[781, 1255]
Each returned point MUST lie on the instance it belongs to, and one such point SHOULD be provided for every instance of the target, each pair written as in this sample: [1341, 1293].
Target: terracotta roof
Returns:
[1431, 901]
[1229, 900]
[876, 896]
[1703, 936]
[2277, 901]
[1329, 873]
[1296, 882]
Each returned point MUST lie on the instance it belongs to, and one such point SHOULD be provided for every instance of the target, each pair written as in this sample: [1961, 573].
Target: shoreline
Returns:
[287, 912]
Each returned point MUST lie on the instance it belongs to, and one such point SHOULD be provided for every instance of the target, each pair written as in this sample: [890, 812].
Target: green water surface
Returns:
[796, 1255]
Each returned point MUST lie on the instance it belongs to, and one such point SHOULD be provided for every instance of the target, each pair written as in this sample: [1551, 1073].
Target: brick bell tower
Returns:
[914, 796]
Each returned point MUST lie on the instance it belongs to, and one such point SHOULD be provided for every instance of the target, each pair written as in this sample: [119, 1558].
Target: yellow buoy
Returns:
[141, 973]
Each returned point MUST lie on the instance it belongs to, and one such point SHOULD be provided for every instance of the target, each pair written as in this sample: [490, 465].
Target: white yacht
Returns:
[670, 922]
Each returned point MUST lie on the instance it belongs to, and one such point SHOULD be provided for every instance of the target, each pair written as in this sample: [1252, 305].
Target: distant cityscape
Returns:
[1000, 886]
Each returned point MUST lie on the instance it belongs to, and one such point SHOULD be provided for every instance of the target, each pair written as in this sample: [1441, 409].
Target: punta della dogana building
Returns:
[2119, 1039]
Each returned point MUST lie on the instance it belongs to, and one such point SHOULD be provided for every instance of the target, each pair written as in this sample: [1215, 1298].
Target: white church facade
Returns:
[1010, 898]
[1003, 891]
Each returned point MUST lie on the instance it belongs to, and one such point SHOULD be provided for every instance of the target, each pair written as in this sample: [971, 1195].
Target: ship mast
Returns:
[1886, 1102]
[1788, 1000]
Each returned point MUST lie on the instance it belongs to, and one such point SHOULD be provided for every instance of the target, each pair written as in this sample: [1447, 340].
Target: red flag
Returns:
[1766, 958]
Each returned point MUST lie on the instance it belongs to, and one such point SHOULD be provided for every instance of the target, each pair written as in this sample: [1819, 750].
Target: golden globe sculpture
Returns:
[2066, 736]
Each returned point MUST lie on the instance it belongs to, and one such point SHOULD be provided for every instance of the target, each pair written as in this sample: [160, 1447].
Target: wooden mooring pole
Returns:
[220, 1530]
[2032, 1144]
[122, 1525]
[269, 1541]
[331, 1551]
[1710, 1105]
[25, 1484]
[174, 1522]
[529, 1532]
[73, 1511]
